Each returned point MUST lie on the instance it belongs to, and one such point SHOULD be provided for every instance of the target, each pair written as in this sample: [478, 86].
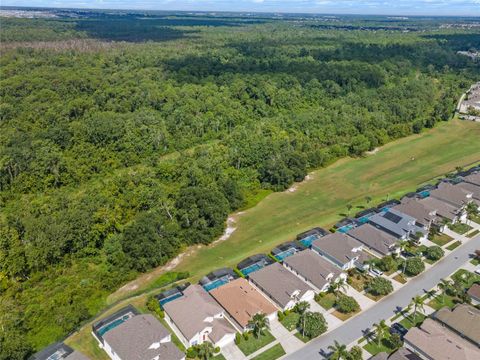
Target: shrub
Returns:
[238, 338]
[280, 315]
[245, 335]
[414, 266]
[434, 252]
[395, 341]
[314, 324]
[154, 306]
[347, 304]
[355, 353]
[216, 350]
[380, 286]
[388, 263]
[192, 352]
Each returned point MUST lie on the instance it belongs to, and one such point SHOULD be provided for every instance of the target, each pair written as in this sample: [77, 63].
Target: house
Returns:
[374, 239]
[287, 249]
[445, 211]
[196, 318]
[342, 250]
[306, 238]
[241, 300]
[171, 294]
[474, 293]
[463, 319]
[217, 278]
[141, 337]
[314, 269]
[400, 354]
[397, 224]
[433, 341]
[423, 215]
[58, 351]
[471, 188]
[473, 179]
[452, 195]
[253, 263]
[282, 286]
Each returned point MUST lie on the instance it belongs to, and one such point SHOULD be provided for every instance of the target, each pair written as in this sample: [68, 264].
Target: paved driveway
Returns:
[385, 308]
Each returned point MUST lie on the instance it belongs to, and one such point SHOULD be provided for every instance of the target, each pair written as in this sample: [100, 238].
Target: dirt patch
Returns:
[373, 152]
[295, 186]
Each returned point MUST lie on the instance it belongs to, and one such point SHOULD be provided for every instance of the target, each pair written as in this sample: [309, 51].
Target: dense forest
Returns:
[125, 139]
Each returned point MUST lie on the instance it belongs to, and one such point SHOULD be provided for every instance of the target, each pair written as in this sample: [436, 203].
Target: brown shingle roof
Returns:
[279, 283]
[474, 291]
[464, 319]
[438, 342]
[139, 338]
[241, 300]
[312, 267]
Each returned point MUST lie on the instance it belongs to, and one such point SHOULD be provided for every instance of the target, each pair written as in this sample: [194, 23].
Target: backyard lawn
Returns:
[441, 239]
[253, 344]
[320, 201]
[271, 354]
[290, 321]
[454, 245]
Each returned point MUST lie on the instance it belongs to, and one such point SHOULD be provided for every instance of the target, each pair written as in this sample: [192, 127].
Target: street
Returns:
[387, 307]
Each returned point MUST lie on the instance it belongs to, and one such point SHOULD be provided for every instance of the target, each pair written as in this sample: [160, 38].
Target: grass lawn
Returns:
[409, 322]
[400, 278]
[219, 357]
[441, 239]
[389, 172]
[303, 338]
[290, 321]
[326, 300]
[271, 354]
[466, 278]
[454, 245]
[253, 344]
[473, 233]
[440, 301]
[359, 281]
[374, 297]
[475, 262]
[343, 316]
[475, 218]
[460, 228]
[374, 348]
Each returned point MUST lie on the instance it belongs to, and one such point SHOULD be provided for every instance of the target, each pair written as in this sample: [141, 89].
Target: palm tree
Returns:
[337, 286]
[444, 286]
[349, 207]
[403, 245]
[301, 308]
[381, 329]
[417, 303]
[258, 323]
[205, 350]
[338, 351]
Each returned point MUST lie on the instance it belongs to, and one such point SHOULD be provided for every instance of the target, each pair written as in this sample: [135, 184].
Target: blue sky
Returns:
[399, 7]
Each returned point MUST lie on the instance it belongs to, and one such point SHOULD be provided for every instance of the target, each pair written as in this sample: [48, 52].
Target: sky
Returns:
[386, 7]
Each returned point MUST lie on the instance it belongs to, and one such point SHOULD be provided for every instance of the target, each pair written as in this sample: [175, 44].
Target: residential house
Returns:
[424, 216]
[314, 269]
[282, 286]
[306, 238]
[241, 300]
[445, 211]
[287, 249]
[471, 188]
[452, 195]
[375, 240]
[58, 351]
[474, 293]
[433, 341]
[254, 263]
[463, 319]
[400, 354]
[217, 278]
[342, 250]
[398, 224]
[196, 318]
[141, 337]
[473, 179]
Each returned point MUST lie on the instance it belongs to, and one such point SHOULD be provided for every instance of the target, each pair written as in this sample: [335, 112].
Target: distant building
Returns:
[375, 239]
[397, 224]
[452, 195]
[423, 215]
[474, 293]
[58, 351]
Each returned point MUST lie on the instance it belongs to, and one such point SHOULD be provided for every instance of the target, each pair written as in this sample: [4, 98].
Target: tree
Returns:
[395, 341]
[417, 303]
[403, 245]
[314, 324]
[388, 263]
[355, 353]
[338, 351]
[414, 266]
[380, 286]
[444, 286]
[258, 323]
[381, 330]
[205, 350]
[336, 286]
[301, 308]
[346, 304]
[434, 252]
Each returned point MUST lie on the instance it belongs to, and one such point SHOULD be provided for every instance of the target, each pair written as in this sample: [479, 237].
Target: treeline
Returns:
[112, 162]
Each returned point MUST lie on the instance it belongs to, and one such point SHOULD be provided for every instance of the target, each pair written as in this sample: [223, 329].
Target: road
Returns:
[387, 307]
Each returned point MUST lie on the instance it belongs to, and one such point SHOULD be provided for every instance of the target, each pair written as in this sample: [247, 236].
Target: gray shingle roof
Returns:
[376, 239]
[139, 338]
[442, 208]
[464, 319]
[279, 283]
[451, 194]
[473, 179]
[339, 246]
[312, 267]
[417, 210]
[396, 223]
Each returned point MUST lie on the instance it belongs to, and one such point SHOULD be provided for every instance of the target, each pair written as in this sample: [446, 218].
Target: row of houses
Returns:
[224, 301]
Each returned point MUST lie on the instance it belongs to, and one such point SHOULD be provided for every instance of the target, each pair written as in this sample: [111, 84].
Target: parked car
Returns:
[399, 329]
[376, 272]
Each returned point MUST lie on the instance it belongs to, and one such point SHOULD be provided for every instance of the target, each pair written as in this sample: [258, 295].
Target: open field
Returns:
[395, 169]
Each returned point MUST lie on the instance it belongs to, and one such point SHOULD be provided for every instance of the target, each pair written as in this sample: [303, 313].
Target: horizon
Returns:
[417, 8]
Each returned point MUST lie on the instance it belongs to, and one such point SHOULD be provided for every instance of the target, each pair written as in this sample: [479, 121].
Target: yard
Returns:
[460, 228]
[290, 321]
[359, 280]
[454, 245]
[410, 322]
[373, 347]
[271, 354]
[440, 301]
[475, 218]
[326, 300]
[344, 316]
[253, 344]
[219, 357]
[390, 171]
[466, 278]
[473, 233]
[400, 278]
[305, 339]
[475, 261]
[441, 239]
